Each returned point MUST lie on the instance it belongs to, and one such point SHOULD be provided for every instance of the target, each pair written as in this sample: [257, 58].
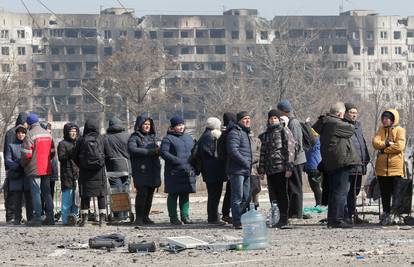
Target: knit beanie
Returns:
[176, 120]
[273, 113]
[213, 123]
[285, 106]
[228, 117]
[349, 106]
[241, 115]
[32, 118]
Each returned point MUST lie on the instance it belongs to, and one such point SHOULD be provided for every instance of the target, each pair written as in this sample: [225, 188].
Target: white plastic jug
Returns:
[254, 229]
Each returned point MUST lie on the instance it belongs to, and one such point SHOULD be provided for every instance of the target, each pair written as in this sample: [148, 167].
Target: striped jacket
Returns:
[38, 150]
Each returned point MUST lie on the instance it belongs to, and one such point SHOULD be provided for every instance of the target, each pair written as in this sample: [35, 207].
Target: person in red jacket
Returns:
[37, 153]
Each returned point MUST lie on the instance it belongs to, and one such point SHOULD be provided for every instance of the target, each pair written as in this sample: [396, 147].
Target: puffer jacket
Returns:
[15, 172]
[239, 152]
[145, 161]
[69, 171]
[179, 176]
[390, 158]
[10, 136]
[313, 157]
[116, 147]
[277, 153]
[337, 150]
[38, 152]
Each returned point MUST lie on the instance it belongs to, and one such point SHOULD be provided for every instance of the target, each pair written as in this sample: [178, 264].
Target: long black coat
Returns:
[211, 164]
[116, 149]
[69, 171]
[179, 176]
[91, 182]
[145, 162]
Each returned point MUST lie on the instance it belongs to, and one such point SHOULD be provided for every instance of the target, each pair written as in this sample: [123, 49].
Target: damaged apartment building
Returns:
[64, 51]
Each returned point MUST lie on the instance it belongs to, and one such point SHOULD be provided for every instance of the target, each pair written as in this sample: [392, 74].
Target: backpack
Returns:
[91, 156]
[195, 160]
[308, 140]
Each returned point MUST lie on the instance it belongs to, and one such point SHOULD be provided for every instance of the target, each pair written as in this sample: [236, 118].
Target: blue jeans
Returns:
[40, 187]
[68, 205]
[338, 193]
[240, 195]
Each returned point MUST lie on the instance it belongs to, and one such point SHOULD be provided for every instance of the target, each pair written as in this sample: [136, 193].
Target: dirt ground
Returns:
[307, 243]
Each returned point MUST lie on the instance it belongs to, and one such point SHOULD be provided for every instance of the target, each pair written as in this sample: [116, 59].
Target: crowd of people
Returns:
[332, 152]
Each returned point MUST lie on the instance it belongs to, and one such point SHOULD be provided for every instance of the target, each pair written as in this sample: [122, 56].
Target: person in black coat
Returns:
[117, 158]
[10, 138]
[19, 185]
[239, 166]
[357, 171]
[179, 176]
[144, 151]
[69, 173]
[210, 168]
[92, 181]
[229, 119]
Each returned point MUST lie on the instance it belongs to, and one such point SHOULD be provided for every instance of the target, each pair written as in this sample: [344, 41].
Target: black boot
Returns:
[186, 220]
[283, 222]
[84, 219]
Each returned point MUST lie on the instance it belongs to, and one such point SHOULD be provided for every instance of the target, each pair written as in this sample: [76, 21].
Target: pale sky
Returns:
[267, 8]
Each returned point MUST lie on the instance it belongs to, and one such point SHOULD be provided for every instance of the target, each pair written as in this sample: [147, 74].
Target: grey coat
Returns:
[296, 129]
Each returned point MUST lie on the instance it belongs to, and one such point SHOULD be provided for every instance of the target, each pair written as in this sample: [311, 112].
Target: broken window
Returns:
[220, 49]
[73, 83]
[185, 34]
[40, 67]
[340, 34]
[55, 84]
[218, 66]
[123, 33]
[198, 66]
[88, 50]
[107, 51]
[5, 50]
[37, 33]
[249, 35]
[217, 33]
[55, 50]
[263, 35]
[357, 66]
[235, 35]
[55, 67]
[186, 50]
[56, 33]
[42, 83]
[201, 50]
[153, 34]
[88, 33]
[137, 34]
[185, 66]
[22, 68]
[21, 51]
[277, 34]
[72, 67]
[235, 51]
[91, 66]
[411, 48]
[169, 34]
[397, 35]
[356, 50]
[410, 34]
[325, 34]
[72, 101]
[339, 49]
[201, 33]
[4, 34]
[371, 51]
[355, 35]
[370, 35]
[70, 50]
[107, 34]
[21, 34]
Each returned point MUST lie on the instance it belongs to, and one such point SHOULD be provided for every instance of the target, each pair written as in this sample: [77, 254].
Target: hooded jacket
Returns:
[10, 137]
[145, 162]
[91, 182]
[337, 150]
[69, 171]
[116, 147]
[277, 152]
[239, 152]
[179, 176]
[390, 158]
[38, 151]
[207, 150]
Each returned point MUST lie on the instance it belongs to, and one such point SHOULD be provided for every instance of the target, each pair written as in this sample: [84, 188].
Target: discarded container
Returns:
[98, 244]
[274, 214]
[142, 247]
[254, 229]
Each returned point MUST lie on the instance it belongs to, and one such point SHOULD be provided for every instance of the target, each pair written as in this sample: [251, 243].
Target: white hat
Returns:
[213, 123]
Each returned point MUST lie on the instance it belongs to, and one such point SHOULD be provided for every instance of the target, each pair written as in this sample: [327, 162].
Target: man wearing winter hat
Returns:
[10, 138]
[210, 168]
[239, 165]
[295, 182]
[356, 172]
[37, 153]
[229, 119]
